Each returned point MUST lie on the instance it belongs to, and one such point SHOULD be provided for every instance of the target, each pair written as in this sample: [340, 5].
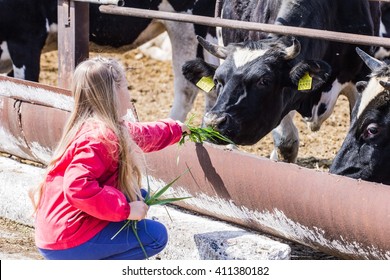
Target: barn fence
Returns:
[335, 214]
[74, 36]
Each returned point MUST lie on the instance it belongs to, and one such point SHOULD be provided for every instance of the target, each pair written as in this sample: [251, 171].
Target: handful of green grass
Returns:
[151, 199]
[201, 134]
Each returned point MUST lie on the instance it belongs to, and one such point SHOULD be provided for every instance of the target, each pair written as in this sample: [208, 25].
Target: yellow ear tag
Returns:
[305, 82]
[206, 84]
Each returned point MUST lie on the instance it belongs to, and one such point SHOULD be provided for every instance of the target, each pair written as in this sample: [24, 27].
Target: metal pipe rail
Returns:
[253, 26]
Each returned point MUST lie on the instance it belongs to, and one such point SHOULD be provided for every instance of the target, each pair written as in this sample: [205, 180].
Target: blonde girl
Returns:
[93, 182]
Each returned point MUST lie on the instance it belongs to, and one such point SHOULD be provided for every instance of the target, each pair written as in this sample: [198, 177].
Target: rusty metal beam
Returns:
[254, 26]
[338, 215]
[32, 118]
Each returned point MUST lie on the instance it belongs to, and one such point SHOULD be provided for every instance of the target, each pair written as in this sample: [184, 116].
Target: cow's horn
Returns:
[370, 61]
[293, 50]
[218, 51]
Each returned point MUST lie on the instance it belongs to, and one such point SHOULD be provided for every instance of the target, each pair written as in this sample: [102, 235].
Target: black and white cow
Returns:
[25, 24]
[262, 77]
[384, 53]
[365, 152]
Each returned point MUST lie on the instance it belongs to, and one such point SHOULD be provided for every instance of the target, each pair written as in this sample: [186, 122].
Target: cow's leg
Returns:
[5, 59]
[26, 59]
[184, 47]
[286, 140]
[352, 95]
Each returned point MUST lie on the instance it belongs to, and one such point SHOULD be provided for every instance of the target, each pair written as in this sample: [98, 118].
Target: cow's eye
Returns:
[264, 81]
[371, 131]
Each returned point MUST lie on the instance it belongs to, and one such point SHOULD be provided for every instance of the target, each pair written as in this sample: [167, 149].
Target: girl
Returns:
[92, 185]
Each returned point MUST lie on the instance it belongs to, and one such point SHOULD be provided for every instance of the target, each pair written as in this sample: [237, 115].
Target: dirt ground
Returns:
[151, 87]
[17, 241]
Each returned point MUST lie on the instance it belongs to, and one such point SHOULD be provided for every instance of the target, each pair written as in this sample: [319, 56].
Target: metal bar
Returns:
[73, 38]
[254, 26]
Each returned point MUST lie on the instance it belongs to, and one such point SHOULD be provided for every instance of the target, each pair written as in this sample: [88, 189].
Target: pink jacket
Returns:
[80, 195]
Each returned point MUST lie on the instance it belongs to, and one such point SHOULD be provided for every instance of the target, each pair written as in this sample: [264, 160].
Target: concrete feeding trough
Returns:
[341, 216]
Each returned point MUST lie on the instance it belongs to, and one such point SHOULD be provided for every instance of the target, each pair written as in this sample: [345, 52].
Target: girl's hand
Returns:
[184, 128]
[138, 210]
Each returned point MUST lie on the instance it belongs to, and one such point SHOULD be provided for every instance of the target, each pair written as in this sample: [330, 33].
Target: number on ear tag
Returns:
[206, 84]
[305, 82]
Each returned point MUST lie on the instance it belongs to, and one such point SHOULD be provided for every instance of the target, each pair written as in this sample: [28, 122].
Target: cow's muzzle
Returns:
[218, 122]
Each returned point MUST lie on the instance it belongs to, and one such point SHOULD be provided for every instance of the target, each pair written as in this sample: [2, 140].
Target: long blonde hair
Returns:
[95, 87]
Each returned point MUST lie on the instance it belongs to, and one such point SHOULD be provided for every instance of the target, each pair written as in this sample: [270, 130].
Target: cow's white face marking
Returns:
[372, 90]
[244, 56]
[20, 73]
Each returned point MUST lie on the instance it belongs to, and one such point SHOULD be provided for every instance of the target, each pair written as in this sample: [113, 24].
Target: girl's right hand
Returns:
[183, 127]
[138, 210]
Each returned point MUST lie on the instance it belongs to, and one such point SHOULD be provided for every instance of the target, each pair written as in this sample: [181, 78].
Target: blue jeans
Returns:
[124, 246]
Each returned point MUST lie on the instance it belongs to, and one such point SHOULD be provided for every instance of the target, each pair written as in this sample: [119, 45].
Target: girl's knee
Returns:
[162, 234]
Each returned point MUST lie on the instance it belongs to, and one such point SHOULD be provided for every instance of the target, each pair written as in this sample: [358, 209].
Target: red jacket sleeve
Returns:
[154, 136]
[91, 160]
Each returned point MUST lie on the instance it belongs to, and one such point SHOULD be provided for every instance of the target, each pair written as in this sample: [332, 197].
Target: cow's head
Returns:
[365, 152]
[256, 85]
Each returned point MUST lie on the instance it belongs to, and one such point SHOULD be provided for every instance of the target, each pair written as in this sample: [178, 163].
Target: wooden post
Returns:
[73, 38]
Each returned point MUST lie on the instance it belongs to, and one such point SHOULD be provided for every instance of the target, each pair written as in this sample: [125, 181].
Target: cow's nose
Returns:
[213, 120]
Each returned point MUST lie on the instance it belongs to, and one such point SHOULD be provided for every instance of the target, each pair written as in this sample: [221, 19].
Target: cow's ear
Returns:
[310, 75]
[198, 72]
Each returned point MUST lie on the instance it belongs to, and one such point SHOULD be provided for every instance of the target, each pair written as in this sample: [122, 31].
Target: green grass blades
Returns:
[133, 225]
[201, 134]
[134, 228]
[122, 228]
[150, 200]
[154, 198]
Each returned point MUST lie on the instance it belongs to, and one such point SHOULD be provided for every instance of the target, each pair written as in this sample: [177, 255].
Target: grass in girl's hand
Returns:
[150, 200]
[201, 134]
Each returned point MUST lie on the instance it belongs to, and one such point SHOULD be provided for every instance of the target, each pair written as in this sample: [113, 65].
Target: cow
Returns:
[365, 152]
[263, 77]
[25, 25]
[383, 53]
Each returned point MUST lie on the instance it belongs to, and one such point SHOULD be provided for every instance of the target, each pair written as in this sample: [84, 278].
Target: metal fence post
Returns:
[73, 38]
